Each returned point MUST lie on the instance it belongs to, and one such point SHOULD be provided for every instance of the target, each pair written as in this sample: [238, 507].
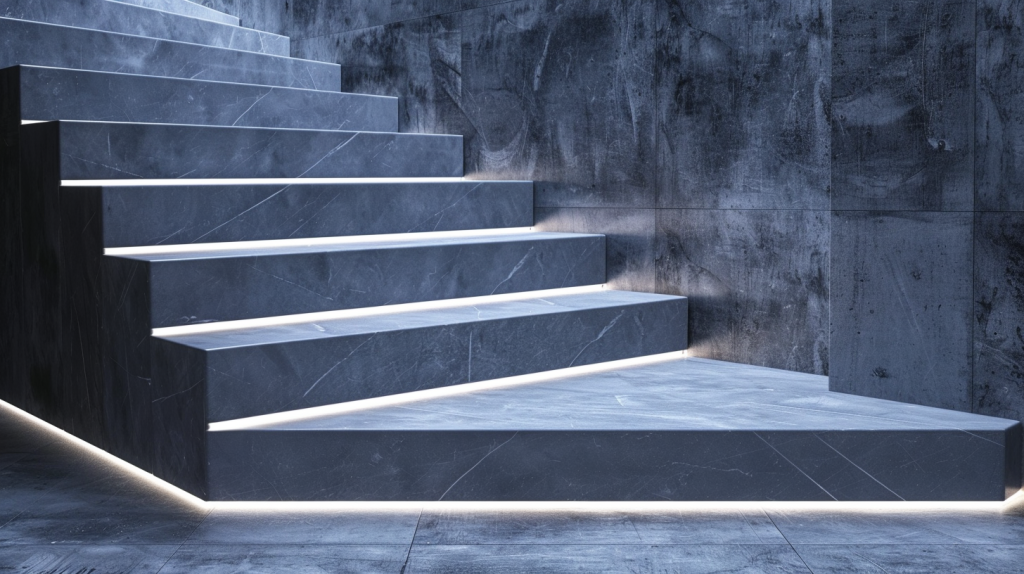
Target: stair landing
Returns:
[679, 429]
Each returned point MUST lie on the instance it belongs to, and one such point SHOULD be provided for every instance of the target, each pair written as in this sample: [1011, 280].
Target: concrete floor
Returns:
[64, 508]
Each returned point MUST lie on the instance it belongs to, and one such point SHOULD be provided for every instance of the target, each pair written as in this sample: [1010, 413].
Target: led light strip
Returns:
[431, 394]
[222, 326]
[1012, 504]
[254, 181]
[312, 241]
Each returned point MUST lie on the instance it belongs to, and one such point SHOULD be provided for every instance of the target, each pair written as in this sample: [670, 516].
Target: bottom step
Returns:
[682, 429]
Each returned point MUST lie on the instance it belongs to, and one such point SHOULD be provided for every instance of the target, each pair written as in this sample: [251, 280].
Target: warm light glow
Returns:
[429, 394]
[241, 324]
[103, 455]
[312, 241]
[251, 181]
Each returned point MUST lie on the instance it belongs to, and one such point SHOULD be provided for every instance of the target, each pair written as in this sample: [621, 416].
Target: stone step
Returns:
[184, 8]
[140, 21]
[33, 43]
[684, 429]
[121, 151]
[32, 93]
[187, 284]
[167, 212]
[259, 370]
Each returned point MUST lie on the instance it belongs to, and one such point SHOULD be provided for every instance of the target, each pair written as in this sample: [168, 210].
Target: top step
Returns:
[136, 20]
[184, 8]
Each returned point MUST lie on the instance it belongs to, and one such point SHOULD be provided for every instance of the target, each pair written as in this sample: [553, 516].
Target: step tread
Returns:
[687, 394]
[192, 252]
[458, 312]
[183, 8]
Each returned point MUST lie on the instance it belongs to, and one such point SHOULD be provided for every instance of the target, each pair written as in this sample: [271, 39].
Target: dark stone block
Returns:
[999, 162]
[125, 18]
[743, 104]
[757, 281]
[59, 94]
[37, 44]
[903, 89]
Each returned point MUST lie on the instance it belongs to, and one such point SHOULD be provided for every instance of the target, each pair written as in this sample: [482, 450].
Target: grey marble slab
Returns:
[901, 306]
[299, 559]
[104, 150]
[139, 21]
[185, 8]
[203, 285]
[743, 96]
[56, 46]
[341, 528]
[696, 559]
[757, 280]
[266, 370]
[999, 106]
[629, 237]
[912, 558]
[903, 89]
[85, 558]
[681, 430]
[177, 214]
[63, 94]
[275, 17]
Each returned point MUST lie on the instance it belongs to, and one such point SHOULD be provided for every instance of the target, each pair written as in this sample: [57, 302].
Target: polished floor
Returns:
[65, 509]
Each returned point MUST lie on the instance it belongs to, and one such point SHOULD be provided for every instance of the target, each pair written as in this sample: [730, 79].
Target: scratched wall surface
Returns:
[648, 121]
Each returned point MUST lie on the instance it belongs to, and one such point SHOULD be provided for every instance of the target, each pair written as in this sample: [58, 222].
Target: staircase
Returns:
[228, 273]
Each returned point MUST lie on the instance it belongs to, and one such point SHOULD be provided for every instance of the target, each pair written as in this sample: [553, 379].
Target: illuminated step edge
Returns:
[263, 421]
[246, 324]
[253, 181]
[404, 238]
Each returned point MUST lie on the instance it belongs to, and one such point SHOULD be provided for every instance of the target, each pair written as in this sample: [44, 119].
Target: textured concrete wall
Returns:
[694, 133]
[928, 193]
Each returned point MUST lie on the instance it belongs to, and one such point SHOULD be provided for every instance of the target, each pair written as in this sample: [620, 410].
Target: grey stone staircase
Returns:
[229, 273]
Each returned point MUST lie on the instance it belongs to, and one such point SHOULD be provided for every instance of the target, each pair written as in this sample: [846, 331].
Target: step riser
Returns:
[265, 379]
[37, 44]
[56, 94]
[139, 21]
[154, 151]
[199, 291]
[185, 8]
[597, 466]
[134, 216]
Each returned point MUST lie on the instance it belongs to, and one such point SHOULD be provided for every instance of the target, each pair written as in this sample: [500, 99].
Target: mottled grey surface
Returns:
[688, 429]
[268, 15]
[202, 286]
[903, 89]
[140, 21]
[185, 8]
[757, 281]
[60, 479]
[623, 107]
[37, 44]
[173, 214]
[61, 94]
[743, 100]
[629, 239]
[101, 150]
[999, 160]
[999, 314]
[274, 369]
[902, 305]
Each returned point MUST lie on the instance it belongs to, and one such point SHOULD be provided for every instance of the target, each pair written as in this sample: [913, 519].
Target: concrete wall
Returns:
[694, 133]
[928, 193]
